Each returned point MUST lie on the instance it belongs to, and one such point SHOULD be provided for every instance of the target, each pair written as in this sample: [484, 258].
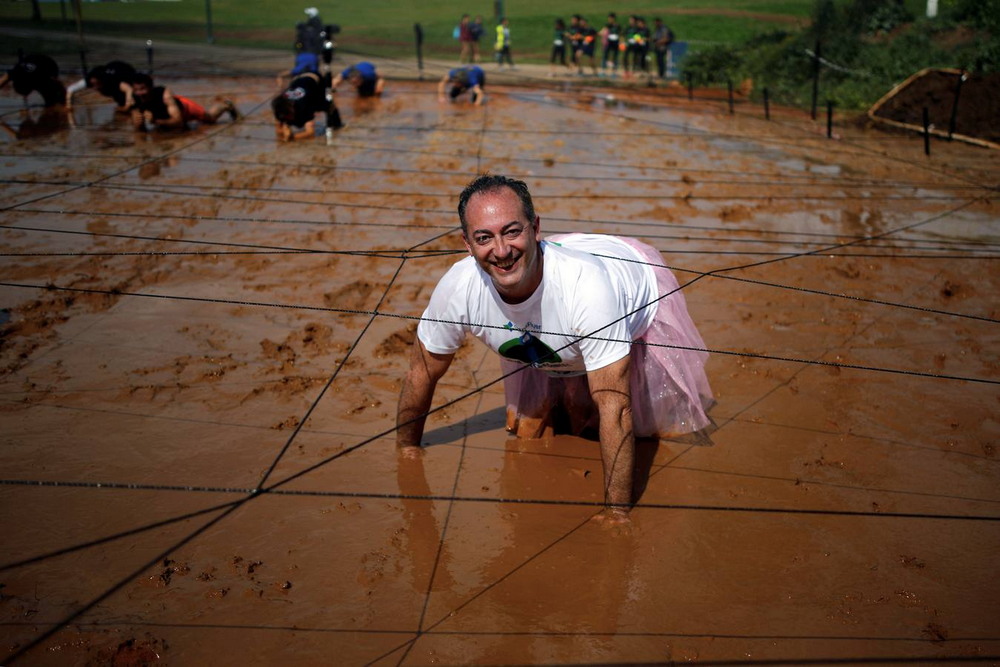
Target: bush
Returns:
[862, 61]
[714, 65]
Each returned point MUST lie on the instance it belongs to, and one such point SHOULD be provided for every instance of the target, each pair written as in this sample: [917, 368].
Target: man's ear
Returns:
[465, 240]
[537, 225]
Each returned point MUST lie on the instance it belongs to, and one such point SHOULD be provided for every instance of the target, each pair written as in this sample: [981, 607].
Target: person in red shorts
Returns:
[157, 106]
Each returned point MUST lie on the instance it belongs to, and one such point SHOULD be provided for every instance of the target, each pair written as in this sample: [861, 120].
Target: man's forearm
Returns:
[412, 414]
[618, 456]
[415, 397]
[609, 387]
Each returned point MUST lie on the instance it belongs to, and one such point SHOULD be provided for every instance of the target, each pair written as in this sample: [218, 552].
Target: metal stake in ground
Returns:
[78, 15]
[208, 22]
[927, 132]
[418, 35]
[815, 94]
[149, 56]
[954, 105]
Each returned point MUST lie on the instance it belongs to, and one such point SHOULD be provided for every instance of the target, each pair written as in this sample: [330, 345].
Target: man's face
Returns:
[504, 243]
[141, 91]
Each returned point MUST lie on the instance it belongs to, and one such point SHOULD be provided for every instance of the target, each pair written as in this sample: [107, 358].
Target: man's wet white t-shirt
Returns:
[596, 296]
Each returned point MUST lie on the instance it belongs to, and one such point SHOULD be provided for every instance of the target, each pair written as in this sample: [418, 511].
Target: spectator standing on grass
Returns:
[36, 73]
[663, 37]
[611, 35]
[465, 39]
[558, 47]
[588, 43]
[477, 29]
[575, 39]
[363, 76]
[309, 33]
[159, 107]
[643, 43]
[295, 109]
[589, 325]
[470, 78]
[113, 80]
[502, 46]
[636, 38]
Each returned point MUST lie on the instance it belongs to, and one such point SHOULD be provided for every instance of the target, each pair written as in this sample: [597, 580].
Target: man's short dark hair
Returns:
[491, 183]
[143, 78]
[284, 109]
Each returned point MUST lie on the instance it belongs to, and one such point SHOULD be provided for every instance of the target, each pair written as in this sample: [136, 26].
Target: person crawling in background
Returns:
[113, 80]
[363, 76]
[36, 73]
[469, 78]
[157, 106]
[297, 106]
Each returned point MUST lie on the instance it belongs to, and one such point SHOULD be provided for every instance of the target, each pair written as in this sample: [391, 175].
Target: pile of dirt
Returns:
[975, 114]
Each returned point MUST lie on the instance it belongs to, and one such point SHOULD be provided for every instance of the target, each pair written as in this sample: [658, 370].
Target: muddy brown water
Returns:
[231, 314]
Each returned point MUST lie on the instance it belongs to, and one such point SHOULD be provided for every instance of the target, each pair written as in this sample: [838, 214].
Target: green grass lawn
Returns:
[385, 27]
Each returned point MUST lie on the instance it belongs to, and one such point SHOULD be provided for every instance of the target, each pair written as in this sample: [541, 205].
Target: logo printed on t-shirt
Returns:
[528, 349]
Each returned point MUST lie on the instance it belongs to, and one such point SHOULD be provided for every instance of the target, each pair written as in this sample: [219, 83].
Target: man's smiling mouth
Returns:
[507, 265]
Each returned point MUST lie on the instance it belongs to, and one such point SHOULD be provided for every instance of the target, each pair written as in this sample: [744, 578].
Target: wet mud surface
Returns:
[204, 335]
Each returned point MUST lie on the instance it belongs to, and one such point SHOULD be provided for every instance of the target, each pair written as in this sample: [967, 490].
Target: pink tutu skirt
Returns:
[670, 391]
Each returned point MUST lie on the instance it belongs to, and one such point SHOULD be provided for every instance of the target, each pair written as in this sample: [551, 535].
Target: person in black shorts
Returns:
[587, 43]
[558, 47]
[612, 36]
[575, 38]
[36, 73]
[297, 106]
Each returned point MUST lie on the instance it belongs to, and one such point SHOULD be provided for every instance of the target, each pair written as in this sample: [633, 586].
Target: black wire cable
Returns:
[350, 311]
[682, 180]
[406, 225]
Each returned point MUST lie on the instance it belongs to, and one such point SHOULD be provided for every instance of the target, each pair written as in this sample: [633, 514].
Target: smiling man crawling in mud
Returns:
[593, 329]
